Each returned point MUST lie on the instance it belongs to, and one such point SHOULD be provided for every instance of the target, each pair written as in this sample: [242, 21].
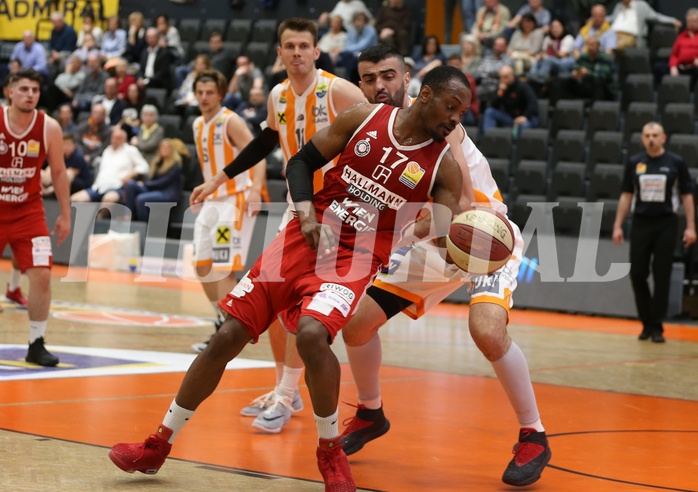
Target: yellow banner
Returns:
[16, 16]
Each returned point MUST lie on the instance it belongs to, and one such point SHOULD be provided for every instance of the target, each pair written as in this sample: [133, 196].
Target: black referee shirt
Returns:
[657, 183]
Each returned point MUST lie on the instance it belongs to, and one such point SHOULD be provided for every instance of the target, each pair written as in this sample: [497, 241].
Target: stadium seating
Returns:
[496, 143]
[567, 179]
[569, 145]
[239, 30]
[604, 115]
[568, 115]
[532, 145]
[530, 177]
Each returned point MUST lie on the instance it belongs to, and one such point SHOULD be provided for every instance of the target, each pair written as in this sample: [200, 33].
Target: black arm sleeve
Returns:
[299, 172]
[255, 151]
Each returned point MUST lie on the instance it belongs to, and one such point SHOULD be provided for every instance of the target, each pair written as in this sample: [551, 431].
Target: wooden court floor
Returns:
[621, 415]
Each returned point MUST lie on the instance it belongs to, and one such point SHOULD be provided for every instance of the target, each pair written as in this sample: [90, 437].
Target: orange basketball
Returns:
[480, 241]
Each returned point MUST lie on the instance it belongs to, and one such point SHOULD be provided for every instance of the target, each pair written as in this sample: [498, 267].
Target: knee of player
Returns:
[357, 334]
[493, 343]
[39, 279]
[228, 341]
[311, 337]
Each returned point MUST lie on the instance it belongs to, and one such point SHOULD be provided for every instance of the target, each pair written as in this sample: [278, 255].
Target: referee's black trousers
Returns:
[652, 241]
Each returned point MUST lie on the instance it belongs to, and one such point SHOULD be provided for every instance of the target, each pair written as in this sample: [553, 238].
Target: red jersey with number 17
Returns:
[379, 186]
[21, 159]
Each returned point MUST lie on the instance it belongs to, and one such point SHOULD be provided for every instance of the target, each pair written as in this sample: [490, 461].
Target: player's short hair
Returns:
[298, 24]
[213, 76]
[69, 136]
[26, 73]
[380, 52]
[439, 78]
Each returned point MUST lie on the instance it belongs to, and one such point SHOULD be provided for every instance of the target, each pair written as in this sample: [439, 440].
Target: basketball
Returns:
[480, 241]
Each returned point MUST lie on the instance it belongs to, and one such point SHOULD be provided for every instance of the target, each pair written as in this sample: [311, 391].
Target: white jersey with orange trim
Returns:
[300, 116]
[419, 274]
[216, 151]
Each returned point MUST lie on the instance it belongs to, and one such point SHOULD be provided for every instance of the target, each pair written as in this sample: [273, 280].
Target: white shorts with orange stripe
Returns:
[223, 233]
[419, 274]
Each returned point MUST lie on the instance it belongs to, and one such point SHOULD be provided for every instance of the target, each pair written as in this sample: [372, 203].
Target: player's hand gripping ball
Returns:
[480, 241]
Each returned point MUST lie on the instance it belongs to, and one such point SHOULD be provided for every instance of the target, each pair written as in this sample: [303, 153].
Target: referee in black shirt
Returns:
[657, 178]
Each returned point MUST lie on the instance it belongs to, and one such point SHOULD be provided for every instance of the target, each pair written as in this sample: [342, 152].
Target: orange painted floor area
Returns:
[464, 446]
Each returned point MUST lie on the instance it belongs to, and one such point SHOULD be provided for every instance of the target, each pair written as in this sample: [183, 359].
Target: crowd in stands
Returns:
[110, 86]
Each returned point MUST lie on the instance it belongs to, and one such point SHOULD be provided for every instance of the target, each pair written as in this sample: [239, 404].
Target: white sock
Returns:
[279, 372]
[365, 361]
[289, 381]
[37, 329]
[327, 427]
[15, 278]
[175, 419]
[513, 375]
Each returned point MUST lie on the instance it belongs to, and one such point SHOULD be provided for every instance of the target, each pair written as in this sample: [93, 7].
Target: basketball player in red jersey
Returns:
[392, 161]
[384, 79]
[27, 138]
[308, 101]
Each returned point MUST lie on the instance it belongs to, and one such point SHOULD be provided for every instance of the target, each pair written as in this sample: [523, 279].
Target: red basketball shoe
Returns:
[365, 426]
[334, 466]
[16, 296]
[146, 457]
[531, 454]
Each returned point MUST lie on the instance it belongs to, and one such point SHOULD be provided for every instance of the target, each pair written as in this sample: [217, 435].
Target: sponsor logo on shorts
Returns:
[340, 290]
[324, 302]
[221, 255]
[223, 235]
[244, 286]
[485, 284]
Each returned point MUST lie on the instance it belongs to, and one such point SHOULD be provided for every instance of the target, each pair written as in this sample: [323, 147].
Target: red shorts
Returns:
[30, 242]
[289, 279]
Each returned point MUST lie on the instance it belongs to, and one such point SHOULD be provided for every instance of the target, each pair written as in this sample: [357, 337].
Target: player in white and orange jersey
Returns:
[223, 229]
[307, 101]
[384, 79]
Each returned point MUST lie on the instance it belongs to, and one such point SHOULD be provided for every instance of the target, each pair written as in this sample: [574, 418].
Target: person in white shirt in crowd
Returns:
[346, 10]
[120, 164]
[333, 41]
[629, 20]
[556, 56]
[169, 35]
[88, 26]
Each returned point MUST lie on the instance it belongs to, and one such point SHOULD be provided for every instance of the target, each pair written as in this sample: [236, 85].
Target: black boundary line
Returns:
[608, 479]
[199, 464]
